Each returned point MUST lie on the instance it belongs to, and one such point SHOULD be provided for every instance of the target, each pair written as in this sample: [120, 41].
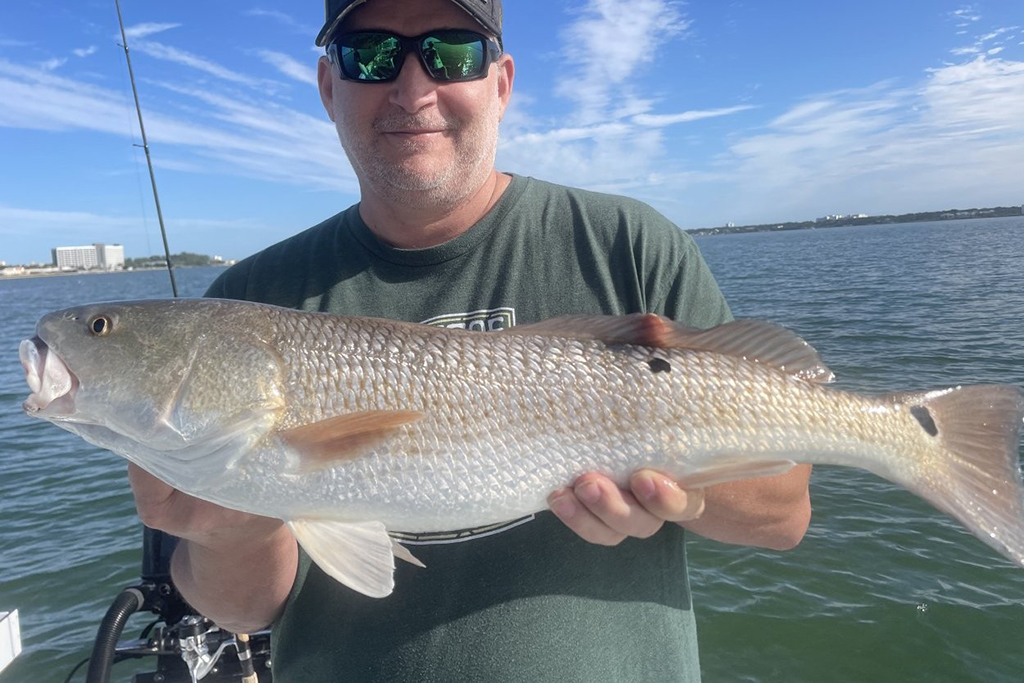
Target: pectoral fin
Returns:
[360, 555]
[345, 437]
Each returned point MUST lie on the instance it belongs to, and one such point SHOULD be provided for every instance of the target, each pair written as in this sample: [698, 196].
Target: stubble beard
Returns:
[443, 188]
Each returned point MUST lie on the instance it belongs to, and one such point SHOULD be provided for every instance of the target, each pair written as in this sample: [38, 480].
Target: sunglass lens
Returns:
[375, 56]
[453, 55]
[370, 56]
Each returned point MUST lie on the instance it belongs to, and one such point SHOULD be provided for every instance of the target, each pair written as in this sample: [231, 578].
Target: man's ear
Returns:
[325, 82]
[506, 74]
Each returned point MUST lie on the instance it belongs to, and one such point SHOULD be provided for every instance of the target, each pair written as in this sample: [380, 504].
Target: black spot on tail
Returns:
[925, 418]
[659, 365]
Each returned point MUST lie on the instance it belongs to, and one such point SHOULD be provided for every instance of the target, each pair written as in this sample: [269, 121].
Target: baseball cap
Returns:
[486, 12]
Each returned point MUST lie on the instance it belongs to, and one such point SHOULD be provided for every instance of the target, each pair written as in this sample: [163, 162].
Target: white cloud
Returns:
[139, 31]
[850, 149]
[965, 15]
[613, 156]
[687, 116]
[228, 134]
[37, 99]
[85, 52]
[996, 33]
[841, 150]
[559, 135]
[981, 43]
[284, 19]
[956, 132]
[289, 66]
[609, 44]
[173, 54]
[611, 139]
[980, 94]
[969, 50]
[608, 157]
[53, 63]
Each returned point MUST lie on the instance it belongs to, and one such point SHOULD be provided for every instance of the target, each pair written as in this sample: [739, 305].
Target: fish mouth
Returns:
[52, 384]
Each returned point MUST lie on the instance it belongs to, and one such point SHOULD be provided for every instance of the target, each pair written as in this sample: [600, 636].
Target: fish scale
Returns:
[349, 427]
[535, 385]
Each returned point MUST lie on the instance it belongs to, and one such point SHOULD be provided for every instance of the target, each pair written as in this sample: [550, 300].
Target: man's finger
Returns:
[618, 509]
[575, 515]
[663, 498]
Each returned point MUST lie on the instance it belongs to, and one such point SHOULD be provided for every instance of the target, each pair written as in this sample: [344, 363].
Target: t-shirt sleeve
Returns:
[688, 293]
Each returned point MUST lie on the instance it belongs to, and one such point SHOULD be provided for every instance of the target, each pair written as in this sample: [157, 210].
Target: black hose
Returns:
[102, 659]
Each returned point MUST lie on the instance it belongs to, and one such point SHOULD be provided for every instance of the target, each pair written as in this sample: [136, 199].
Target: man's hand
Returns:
[167, 509]
[600, 512]
[233, 567]
[770, 512]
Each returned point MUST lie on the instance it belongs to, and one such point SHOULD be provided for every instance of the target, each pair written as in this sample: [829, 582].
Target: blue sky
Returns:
[712, 111]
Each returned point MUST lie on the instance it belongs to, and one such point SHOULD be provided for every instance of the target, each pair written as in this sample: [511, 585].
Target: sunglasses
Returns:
[378, 56]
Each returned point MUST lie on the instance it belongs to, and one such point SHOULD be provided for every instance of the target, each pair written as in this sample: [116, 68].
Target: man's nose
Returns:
[414, 89]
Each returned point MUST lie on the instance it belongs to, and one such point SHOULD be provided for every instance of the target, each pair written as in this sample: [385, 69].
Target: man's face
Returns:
[416, 140]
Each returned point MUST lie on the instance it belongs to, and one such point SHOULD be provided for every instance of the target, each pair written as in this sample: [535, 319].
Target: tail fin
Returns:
[981, 483]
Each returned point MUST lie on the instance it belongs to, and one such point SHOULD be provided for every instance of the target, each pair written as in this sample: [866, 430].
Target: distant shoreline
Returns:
[820, 224]
[846, 221]
[97, 271]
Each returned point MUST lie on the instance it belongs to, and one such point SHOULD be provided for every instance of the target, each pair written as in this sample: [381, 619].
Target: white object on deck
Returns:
[10, 638]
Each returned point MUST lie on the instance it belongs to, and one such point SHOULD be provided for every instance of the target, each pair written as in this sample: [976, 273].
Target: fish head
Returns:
[159, 382]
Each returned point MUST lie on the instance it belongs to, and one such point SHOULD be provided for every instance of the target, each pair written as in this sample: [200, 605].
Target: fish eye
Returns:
[100, 325]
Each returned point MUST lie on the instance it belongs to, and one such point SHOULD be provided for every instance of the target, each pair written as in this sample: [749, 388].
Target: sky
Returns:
[711, 111]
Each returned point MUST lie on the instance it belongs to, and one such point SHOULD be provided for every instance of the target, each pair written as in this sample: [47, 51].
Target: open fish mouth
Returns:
[52, 384]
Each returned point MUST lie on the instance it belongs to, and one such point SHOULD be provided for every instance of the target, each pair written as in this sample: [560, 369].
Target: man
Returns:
[441, 236]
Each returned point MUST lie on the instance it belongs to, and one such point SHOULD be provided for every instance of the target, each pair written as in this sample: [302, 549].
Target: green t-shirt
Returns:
[529, 601]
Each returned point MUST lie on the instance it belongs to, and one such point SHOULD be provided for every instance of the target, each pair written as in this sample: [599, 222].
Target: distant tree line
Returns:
[947, 215]
[185, 258]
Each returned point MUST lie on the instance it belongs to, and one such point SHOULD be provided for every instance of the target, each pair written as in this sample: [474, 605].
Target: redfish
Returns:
[347, 428]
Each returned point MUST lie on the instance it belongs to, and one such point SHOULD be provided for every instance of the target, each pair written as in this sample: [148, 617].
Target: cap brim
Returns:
[329, 28]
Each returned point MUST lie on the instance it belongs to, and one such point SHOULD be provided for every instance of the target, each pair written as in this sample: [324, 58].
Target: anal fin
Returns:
[403, 553]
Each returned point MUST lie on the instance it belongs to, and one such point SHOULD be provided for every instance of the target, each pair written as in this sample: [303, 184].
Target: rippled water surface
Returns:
[883, 589]
[69, 537]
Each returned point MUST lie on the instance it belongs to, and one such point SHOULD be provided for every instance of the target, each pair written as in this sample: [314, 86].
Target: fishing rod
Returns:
[187, 646]
[145, 147]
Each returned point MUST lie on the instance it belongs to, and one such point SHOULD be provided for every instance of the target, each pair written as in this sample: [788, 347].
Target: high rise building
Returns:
[107, 256]
[111, 256]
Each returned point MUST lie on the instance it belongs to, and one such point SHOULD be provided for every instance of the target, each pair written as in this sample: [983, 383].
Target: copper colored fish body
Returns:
[349, 427]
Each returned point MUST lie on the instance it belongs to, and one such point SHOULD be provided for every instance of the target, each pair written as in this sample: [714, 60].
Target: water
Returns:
[69, 537]
[883, 589]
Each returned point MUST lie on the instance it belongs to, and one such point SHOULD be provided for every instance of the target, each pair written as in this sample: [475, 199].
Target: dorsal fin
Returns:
[762, 342]
[642, 329]
[753, 340]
